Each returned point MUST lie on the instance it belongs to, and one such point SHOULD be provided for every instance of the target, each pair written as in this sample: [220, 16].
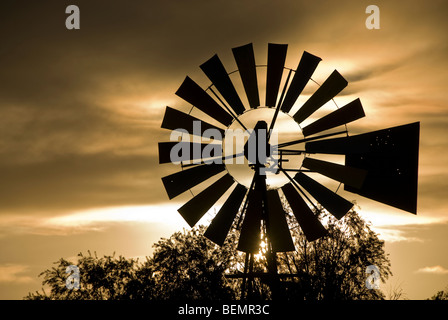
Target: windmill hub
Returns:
[257, 149]
[257, 122]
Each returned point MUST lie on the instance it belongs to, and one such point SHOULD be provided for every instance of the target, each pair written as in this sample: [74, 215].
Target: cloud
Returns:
[395, 226]
[92, 220]
[97, 219]
[76, 181]
[391, 235]
[14, 273]
[433, 270]
[369, 72]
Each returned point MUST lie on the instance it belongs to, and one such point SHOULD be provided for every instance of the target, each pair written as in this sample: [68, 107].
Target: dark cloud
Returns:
[370, 72]
[76, 182]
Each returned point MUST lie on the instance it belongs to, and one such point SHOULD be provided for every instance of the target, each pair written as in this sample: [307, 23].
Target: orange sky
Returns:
[80, 115]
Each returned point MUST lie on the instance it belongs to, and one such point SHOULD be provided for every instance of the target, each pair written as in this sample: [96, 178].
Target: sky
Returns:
[80, 116]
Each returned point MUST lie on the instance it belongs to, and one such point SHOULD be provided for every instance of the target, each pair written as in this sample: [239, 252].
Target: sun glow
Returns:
[262, 251]
[164, 214]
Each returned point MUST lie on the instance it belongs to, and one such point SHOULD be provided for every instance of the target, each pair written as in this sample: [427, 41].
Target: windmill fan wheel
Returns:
[380, 165]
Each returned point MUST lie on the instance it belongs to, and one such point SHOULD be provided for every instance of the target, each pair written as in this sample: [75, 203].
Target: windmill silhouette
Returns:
[380, 165]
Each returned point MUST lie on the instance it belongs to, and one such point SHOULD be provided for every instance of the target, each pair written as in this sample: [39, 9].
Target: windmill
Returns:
[380, 165]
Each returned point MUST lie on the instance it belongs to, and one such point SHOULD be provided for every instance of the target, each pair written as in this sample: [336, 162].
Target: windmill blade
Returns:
[250, 230]
[329, 89]
[279, 234]
[390, 156]
[245, 60]
[181, 181]
[215, 71]
[348, 175]
[276, 63]
[343, 145]
[311, 226]
[189, 151]
[308, 63]
[222, 222]
[363, 143]
[291, 143]
[194, 209]
[331, 201]
[380, 141]
[175, 119]
[191, 92]
[348, 113]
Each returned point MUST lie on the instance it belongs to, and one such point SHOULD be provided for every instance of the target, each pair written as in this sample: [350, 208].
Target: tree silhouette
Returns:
[440, 295]
[102, 278]
[187, 266]
[334, 267]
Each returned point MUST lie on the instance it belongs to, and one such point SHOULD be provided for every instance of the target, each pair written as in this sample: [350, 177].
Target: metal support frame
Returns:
[272, 277]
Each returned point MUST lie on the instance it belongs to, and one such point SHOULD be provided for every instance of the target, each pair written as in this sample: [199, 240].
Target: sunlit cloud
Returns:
[433, 270]
[94, 220]
[14, 273]
[163, 214]
[391, 224]
[387, 218]
[391, 235]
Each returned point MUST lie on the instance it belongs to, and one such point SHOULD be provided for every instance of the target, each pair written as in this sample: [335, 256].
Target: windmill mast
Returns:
[260, 187]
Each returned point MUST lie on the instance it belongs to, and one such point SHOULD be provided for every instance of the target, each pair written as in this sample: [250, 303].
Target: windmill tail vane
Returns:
[379, 165]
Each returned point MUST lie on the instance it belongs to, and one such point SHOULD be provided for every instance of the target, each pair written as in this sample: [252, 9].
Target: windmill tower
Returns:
[380, 165]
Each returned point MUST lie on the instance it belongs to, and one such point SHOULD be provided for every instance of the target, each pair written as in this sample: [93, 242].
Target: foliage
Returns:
[187, 266]
[334, 267]
[440, 295]
[101, 279]
[395, 292]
